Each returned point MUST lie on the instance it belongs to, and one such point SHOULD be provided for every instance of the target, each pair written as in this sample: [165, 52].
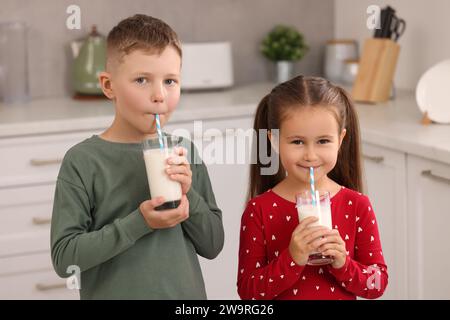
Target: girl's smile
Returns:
[304, 170]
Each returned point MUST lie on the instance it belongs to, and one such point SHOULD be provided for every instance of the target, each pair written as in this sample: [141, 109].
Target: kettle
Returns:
[89, 59]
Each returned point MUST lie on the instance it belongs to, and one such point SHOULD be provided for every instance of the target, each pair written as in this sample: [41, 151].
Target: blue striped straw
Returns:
[311, 182]
[158, 129]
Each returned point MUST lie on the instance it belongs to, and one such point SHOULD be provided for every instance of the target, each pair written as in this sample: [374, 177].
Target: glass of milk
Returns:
[322, 210]
[159, 182]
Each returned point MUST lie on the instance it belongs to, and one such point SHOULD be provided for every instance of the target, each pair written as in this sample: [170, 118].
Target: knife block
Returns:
[376, 70]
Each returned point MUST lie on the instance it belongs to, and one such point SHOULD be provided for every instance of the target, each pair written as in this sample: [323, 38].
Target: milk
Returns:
[159, 182]
[322, 212]
[305, 209]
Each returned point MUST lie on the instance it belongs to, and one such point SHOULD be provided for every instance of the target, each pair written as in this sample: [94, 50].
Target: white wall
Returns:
[425, 42]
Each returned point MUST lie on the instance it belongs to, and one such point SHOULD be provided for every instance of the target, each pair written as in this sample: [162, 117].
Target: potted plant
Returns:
[284, 45]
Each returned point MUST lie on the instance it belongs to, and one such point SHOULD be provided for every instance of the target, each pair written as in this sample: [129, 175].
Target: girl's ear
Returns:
[105, 81]
[341, 136]
[274, 138]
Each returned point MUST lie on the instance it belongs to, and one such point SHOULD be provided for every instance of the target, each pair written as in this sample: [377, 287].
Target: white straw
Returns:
[158, 129]
[319, 213]
[311, 182]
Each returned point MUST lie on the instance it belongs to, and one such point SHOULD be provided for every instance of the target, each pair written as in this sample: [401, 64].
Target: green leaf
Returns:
[284, 43]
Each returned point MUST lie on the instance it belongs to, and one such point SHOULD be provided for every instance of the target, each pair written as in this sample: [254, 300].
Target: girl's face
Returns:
[309, 137]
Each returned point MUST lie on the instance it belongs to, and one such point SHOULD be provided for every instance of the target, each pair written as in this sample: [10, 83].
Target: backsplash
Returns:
[244, 23]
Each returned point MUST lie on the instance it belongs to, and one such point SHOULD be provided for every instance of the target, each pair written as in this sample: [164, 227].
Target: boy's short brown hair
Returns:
[140, 32]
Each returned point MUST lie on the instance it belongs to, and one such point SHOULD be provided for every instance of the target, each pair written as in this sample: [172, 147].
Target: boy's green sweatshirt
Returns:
[97, 226]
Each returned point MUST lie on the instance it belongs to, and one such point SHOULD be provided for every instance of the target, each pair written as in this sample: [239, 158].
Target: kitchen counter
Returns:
[395, 124]
[42, 116]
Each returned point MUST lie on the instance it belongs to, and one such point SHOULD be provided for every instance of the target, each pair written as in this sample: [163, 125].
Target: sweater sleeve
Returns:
[257, 277]
[72, 240]
[365, 275]
[204, 226]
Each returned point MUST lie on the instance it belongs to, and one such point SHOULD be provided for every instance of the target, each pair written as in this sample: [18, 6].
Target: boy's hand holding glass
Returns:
[334, 246]
[157, 219]
[179, 169]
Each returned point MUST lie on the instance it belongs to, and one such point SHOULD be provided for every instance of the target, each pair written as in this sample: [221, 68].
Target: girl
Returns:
[318, 128]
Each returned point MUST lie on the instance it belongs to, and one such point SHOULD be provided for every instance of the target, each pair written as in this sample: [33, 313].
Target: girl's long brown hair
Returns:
[308, 92]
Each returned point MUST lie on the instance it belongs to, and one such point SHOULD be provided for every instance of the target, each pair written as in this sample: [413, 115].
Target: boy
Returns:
[102, 219]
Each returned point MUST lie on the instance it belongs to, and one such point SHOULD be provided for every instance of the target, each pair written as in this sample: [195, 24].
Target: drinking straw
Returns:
[158, 129]
[315, 195]
[319, 213]
[311, 182]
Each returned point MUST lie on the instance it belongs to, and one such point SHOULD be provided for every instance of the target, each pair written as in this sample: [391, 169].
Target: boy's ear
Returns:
[105, 81]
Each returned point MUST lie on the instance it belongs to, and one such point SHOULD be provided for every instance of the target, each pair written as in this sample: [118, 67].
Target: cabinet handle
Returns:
[47, 287]
[431, 175]
[39, 221]
[376, 159]
[44, 162]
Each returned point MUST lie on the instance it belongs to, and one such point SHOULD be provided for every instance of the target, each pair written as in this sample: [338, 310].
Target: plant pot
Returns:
[283, 71]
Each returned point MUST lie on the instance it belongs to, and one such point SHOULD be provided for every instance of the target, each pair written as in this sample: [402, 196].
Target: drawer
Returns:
[25, 213]
[25, 242]
[26, 209]
[34, 159]
[25, 264]
[26, 218]
[17, 196]
[40, 285]
[32, 277]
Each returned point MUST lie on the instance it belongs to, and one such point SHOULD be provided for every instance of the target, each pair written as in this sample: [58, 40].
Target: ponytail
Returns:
[348, 169]
[260, 183]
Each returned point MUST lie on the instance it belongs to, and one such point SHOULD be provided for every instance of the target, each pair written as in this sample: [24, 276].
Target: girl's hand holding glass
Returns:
[334, 246]
[306, 239]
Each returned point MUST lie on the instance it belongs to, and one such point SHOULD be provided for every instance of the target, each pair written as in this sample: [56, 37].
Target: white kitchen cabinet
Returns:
[230, 180]
[32, 277]
[385, 174]
[428, 228]
[28, 170]
[225, 147]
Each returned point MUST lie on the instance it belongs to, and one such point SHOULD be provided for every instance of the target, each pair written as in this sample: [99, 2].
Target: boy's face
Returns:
[144, 84]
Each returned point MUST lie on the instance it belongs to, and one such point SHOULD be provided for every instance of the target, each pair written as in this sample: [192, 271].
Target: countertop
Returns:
[42, 116]
[395, 124]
